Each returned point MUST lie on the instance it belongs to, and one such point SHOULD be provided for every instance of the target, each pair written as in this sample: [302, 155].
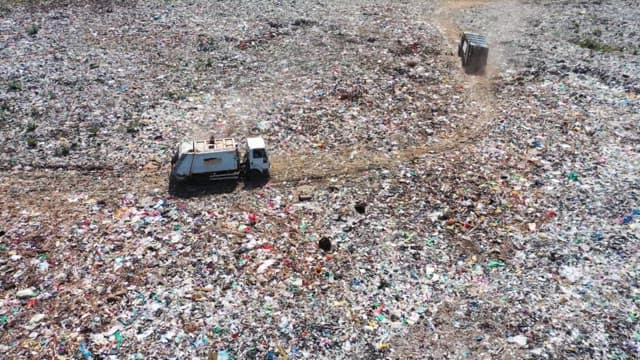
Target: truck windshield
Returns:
[259, 153]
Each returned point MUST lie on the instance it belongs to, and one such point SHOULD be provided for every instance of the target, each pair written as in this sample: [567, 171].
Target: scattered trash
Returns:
[84, 351]
[305, 193]
[37, 318]
[253, 219]
[519, 340]
[571, 273]
[413, 211]
[495, 264]
[26, 293]
[264, 266]
[325, 244]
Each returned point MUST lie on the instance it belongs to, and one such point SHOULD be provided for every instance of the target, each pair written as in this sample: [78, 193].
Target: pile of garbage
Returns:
[505, 222]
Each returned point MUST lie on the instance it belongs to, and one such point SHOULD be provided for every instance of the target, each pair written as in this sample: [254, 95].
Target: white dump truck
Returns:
[220, 159]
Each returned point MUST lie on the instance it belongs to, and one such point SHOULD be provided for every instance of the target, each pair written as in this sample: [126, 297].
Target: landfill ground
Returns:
[413, 211]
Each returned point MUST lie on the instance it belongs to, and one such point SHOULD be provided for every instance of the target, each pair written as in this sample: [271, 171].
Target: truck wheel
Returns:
[254, 174]
[173, 185]
[176, 184]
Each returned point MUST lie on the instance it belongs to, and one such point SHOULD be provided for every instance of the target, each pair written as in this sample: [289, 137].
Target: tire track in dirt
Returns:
[445, 340]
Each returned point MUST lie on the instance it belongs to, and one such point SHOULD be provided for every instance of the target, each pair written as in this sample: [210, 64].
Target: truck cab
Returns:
[473, 51]
[257, 158]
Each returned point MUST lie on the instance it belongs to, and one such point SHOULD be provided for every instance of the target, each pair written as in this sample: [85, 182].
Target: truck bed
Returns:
[217, 157]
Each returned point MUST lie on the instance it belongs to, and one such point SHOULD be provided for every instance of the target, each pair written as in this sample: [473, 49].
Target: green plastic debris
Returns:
[176, 227]
[118, 337]
[217, 330]
[140, 297]
[617, 354]
[267, 310]
[495, 264]
[156, 297]
[380, 317]
[431, 241]
[4, 319]
[573, 176]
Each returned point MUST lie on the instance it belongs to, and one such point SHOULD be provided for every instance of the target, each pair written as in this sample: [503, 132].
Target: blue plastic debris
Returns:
[84, 351]
[223, 355]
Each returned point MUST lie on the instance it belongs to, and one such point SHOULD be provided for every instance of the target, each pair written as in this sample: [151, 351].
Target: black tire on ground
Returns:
[173, 186]
[254, 174]
[176, 185]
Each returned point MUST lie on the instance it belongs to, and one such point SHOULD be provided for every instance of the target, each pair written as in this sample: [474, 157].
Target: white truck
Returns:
[220, 159]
